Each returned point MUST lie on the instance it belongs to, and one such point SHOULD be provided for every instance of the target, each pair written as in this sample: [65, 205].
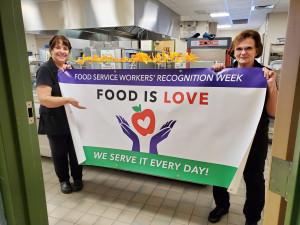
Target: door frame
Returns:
[21, 178]
[293, 198]
[278, 210]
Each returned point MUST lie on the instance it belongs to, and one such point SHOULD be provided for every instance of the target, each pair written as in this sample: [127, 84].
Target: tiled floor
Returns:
[115, 197]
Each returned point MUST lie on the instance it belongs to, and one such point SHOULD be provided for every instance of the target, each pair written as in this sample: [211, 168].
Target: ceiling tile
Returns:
[239, 9]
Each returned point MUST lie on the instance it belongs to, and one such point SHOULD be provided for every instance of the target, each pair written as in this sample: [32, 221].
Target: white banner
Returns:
[188, 124]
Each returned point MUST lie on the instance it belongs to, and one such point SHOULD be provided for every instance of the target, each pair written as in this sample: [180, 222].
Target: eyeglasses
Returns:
[248, 49]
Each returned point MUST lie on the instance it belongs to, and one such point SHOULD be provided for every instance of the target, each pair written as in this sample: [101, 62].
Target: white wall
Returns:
[146, 45]
[34, 42]
[79, 43]
[31, 44]
[228, 33]
[181, 44]
[202, 27]
[41, 41]
[275, 28]
[263, 28]
[75, 43]
[262, 31]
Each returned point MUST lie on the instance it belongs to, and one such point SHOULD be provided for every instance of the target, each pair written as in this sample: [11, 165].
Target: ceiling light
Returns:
[223, 26]
[259, 7]
[219, 14]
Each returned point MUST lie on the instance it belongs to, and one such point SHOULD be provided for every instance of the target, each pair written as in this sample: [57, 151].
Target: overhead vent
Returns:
[131, 32]
[200, 11]
[143, 20]
[261, 7]
[242, 21]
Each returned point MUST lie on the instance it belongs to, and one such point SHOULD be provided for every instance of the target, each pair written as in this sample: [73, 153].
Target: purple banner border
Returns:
[198, 77]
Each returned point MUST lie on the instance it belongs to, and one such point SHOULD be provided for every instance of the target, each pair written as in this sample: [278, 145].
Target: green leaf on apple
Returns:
[137, 108]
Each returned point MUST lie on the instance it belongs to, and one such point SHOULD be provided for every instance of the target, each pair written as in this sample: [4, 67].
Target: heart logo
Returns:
[143, 121]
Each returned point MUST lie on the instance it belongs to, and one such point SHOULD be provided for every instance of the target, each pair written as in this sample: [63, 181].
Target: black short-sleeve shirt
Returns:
[53, 121]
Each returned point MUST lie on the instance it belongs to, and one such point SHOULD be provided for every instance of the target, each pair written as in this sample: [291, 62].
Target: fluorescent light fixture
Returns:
[223, 26]
[260, 7]
[219, 14]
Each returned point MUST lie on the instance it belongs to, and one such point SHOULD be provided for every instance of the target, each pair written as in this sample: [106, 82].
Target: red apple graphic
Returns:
[142, 115]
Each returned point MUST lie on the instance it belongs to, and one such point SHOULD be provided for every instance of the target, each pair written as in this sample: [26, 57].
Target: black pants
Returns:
[63, 152]
[254, 179]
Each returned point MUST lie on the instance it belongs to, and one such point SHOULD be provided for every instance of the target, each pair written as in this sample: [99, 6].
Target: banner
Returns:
[188, 124]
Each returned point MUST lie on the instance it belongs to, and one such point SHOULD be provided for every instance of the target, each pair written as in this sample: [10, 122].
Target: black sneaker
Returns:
[217, 214]
[65, 187]
[250, 223]
[77, 186]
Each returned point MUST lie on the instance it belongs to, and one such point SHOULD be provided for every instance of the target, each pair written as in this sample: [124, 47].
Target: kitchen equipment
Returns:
[210, 50]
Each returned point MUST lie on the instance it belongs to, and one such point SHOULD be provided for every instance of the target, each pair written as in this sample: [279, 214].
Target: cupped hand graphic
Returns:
[127, 130]
[161, 135]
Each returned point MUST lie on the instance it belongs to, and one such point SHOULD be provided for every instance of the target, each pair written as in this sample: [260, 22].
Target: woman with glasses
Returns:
[244, 49]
